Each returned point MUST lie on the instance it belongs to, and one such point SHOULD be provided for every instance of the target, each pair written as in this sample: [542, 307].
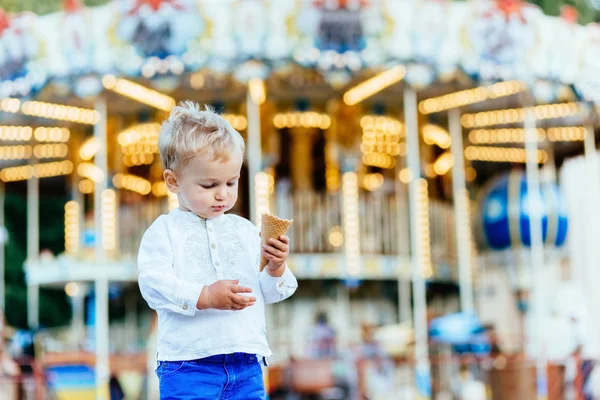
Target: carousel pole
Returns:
[461, 213]
[537, 252]
[101, 282]
[404, 309]
[2, 244]
[593, 199]
[253, 102]
[33, 247]
[422, 370]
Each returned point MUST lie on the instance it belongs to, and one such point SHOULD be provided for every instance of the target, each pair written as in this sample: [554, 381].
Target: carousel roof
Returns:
[310, 48]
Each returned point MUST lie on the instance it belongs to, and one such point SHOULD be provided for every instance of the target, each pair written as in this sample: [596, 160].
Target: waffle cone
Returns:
[271, 228]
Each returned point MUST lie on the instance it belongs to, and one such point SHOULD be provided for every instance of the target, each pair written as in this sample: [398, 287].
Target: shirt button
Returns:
[214, 246]
[217, 263]
[210, 229]
[280, 283]
[185, 306]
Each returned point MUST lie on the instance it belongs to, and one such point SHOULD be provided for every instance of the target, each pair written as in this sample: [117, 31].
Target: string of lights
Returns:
[517, 115]
[138, 93]
[470, 96]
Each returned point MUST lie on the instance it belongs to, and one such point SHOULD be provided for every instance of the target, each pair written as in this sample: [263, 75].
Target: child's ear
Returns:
[171, 181]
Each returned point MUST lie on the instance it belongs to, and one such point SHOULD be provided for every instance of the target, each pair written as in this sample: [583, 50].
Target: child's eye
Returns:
[230, 184]
[212, 185]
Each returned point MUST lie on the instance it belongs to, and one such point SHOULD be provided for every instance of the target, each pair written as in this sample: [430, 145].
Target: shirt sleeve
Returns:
[159, 285]
[276, 289]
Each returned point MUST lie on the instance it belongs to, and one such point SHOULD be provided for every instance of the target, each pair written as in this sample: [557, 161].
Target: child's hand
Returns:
[276, 252]
[225, 295]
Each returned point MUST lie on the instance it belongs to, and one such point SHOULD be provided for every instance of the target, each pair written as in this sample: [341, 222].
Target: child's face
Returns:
[208, 188]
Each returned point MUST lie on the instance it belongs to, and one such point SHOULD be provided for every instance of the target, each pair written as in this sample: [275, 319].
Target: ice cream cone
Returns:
[272, 227]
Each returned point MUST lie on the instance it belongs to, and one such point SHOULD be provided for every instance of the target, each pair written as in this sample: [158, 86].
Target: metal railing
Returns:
[317, 228]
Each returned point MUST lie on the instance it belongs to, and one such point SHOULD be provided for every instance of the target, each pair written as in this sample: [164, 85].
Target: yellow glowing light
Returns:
[379, 160]
[19, 152]
[238, 122]
[13, 174]
[197, 80]
[88, 149]
[501, 154]
[375, 84]
[444, 163]
[55, 150]
[434, 134]
[60, 112]
[423, 232]
[429, 171]
[141, 133]
[566, 134]
[72, 289]
[336, 237]
[90, 171]
[307, 119]
[138, 92]
[10, 105]
[257, 90]
[53, 134]
[15, 133]
[381, 140]
[517, 115]
[86, 186]
[332, 170]
[159, 189]
[72, 230]
[373, 182]
[56, 168]
[405, 175]
[470, 96]
[261, 194]
[470, 174]
[350, 217]
[108, 207]
[43, 170]
[504, 135]
[132, 183]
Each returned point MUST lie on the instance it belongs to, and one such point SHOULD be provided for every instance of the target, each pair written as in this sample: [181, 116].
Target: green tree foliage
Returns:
[41, 7]
[587, 13]
[55, 309]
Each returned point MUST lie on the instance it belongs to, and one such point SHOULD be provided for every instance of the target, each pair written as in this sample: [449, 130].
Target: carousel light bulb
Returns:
[138, 93]
[373, 85]
[72, 229]
[351, 223]
[257, 90]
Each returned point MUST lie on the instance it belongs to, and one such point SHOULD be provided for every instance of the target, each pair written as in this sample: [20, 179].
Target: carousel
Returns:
[372, 123]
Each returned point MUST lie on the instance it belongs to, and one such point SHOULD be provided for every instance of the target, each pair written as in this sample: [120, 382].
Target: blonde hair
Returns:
[189, 131]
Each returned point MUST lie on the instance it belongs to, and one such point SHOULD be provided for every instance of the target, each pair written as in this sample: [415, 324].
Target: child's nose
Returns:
[221, 193]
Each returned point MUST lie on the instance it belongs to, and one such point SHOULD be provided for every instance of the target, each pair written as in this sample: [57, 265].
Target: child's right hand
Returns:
[225, 295]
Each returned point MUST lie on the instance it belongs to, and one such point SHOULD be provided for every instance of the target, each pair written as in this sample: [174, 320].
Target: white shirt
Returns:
[179, 254]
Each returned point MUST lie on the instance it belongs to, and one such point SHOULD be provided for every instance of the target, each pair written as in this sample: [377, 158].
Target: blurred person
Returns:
[490, 332]
[322, 338]
[9, 370]
[199, 268]
[376, 369]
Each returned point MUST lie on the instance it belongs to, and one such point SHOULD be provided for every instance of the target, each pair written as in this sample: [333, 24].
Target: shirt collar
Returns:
[190, 216]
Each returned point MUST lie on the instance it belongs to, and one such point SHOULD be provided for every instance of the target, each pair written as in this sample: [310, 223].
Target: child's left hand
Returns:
[276, 252]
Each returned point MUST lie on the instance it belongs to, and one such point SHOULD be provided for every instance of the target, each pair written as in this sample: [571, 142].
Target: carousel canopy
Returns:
[160, 40]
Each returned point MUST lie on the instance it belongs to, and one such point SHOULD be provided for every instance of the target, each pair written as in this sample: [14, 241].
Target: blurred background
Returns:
[438, 158]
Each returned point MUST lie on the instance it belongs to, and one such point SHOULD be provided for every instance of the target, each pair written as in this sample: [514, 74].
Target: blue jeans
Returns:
[221, 377]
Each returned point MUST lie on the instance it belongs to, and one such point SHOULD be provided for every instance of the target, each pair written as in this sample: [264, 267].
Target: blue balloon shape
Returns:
[505, 212]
